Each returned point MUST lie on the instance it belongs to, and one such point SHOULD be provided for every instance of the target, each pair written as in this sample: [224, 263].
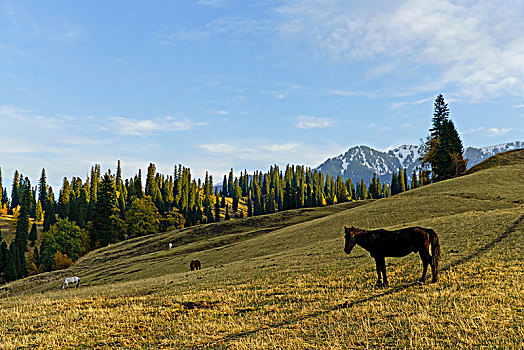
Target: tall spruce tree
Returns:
[3, 255]
[443, 148]
[449, 161]
[103, 231]
[230, 184]
[225, 190]
[217, 210]
[64, 199]
[227, 217]
[401, 181]
[22, 227]
[12, 262]
[15, 196]
[42, 188]
[49, 217]
[363, 190]
[237, 193]
[33, 234]
[249, 206]
[440, 115]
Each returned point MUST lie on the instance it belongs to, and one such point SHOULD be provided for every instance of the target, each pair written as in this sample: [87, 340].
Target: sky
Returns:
[220, 84]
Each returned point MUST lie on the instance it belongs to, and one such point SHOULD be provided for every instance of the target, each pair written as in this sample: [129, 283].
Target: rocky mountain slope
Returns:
[360, 162]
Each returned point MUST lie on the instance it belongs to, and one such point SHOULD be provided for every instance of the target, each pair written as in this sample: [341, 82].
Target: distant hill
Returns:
[360, 162]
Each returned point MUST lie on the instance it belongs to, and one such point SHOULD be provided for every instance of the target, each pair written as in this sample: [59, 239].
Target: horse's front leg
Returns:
[384, 278]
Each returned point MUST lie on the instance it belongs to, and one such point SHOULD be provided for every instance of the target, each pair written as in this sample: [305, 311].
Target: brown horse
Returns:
[381, 243]
[194, 265]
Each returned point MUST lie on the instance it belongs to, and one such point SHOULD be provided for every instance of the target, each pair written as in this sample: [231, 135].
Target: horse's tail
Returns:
[77, 282]
[435, 253]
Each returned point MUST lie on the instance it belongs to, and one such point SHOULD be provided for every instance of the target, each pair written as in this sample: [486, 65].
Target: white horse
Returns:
[68, 280]
[170, 245]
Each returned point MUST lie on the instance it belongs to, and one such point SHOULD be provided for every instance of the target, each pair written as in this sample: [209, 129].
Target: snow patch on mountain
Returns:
[360, 162]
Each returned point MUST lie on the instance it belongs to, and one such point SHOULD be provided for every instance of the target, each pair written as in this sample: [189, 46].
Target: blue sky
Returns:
[215, 84]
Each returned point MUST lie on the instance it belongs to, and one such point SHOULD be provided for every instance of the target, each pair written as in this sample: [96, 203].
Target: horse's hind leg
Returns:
[380, 264]
[426, 259]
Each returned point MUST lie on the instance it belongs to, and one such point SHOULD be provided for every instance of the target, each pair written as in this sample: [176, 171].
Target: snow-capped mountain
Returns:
[361, 162]
[477, 155]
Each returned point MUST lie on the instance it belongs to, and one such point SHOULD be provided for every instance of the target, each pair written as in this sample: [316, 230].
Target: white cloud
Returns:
[219, 148]
[232, 27]
[418, 102]
[311, 122]
[221, 112]
[490, 132]
[286, 147]
[475, 47]
[497, 132]
[260, 154]
[131, 127]
[213, 3]
[83, 141]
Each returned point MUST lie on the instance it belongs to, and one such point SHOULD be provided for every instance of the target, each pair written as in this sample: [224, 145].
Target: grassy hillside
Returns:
[283, 281]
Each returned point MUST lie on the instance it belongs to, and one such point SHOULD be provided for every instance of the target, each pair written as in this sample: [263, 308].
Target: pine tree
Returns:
[152, 188]
[49, 217]
[230, 181]
[224, 191]
[363, 190]
[15, 197]
[249, 206]
[103, 232]
[12, 262]
[375, 187]
[237, 193]
[33, 235]
[401, 182]
[414, 180]
[217, 209]
[22, 227]
[443, 148]
[227, 217]
[395, 186]
[449, 161]
[43, 189]
[341, 190]
[3, 255]
[64, 199]
[207, 209]
[440, 115]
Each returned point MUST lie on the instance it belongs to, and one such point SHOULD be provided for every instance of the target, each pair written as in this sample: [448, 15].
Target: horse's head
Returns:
[351, 232]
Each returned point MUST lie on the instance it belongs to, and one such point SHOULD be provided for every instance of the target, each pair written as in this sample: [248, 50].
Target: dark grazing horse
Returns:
[381, 243]
[194, 265]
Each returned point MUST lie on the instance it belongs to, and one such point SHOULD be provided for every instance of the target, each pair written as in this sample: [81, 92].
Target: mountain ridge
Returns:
[361, 162]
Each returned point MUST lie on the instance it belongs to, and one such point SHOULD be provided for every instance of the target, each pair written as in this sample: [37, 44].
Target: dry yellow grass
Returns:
[283, 281]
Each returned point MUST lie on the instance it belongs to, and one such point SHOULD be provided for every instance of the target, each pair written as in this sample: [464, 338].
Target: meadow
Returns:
[283, 281]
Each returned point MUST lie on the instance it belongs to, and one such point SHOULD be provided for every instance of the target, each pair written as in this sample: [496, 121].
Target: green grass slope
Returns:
[283, 281]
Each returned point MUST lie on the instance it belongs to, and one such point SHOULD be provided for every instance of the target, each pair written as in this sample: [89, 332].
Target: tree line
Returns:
[105, 208]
